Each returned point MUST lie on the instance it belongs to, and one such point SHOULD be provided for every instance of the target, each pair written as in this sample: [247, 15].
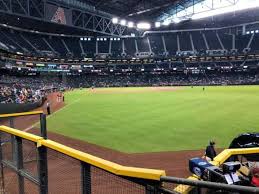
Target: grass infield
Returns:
[138, 120]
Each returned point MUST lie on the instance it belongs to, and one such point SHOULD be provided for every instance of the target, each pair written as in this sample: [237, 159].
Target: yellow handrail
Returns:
[112, 167]
[21, 114]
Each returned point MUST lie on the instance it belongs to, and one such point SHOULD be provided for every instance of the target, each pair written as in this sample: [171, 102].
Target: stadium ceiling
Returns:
[134, 9]
[168, 11]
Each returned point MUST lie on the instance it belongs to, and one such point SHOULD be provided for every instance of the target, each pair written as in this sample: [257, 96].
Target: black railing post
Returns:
[152, 189]
[86, 178]
[2, 189]
[11, 124]
[43, 170]
[43, 158]
[43, 126]
[19, 163]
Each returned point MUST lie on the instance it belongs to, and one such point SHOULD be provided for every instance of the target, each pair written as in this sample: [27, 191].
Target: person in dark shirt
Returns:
[48, 108]
[210, 150]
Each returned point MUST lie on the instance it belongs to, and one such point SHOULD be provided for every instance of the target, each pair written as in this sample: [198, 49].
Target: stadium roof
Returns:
[135, 9]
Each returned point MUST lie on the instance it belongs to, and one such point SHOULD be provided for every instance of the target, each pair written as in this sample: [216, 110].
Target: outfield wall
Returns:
[17, 108]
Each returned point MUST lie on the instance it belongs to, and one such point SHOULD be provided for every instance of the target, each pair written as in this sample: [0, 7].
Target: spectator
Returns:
[210, 152]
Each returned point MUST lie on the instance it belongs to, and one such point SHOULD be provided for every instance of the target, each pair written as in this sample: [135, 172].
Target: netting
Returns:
[10, 181]
[105, 182]
[6, 144]
[30, 157]
[63, 173]
[29, 124]
[30, 188]
[9, 156]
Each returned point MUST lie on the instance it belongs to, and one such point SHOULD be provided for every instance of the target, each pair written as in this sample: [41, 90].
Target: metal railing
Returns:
[34, 164]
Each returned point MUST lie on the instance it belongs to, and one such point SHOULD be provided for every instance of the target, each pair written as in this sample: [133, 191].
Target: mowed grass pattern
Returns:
[137, 120]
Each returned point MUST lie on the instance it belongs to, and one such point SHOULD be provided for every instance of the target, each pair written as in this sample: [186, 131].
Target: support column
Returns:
[43, 170]
[86, 178]
[19, 163]
[43, 126]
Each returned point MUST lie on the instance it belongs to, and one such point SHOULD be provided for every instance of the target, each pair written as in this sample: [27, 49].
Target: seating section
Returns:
[226, 40]
[143, 45]
[171, 43]
[116, 48]
[37, 44]
[130, 47]
[185, 41]
[198, 41]
[212, 40]
[242, 42]
[156, 44]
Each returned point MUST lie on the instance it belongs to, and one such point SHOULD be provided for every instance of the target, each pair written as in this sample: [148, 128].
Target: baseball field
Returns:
[140, 120]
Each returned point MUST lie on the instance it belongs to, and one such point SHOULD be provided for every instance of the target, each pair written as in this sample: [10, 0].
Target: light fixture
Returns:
[115, 20]
[144, 26]
[130, 24]
[157, 24]
[123, 22]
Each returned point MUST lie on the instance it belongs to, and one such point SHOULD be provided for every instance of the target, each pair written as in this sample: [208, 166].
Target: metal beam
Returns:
[90, 20]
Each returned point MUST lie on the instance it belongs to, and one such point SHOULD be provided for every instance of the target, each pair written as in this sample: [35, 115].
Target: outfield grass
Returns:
[147, 121]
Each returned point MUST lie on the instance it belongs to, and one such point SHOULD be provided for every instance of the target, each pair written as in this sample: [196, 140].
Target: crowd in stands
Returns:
[164, 79]
[32, 89]
[18, 95]
[22, 90]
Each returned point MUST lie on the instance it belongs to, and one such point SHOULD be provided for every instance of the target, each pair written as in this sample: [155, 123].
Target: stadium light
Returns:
[123, 22]
[89, 39]
[98, 39]
[144, 26]
[157, 24]
[105, 39]
[115, 20]
[166, 23]
[257, 31]
[85, 39]
[252, 32]
[81, 39]
[130, 24]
